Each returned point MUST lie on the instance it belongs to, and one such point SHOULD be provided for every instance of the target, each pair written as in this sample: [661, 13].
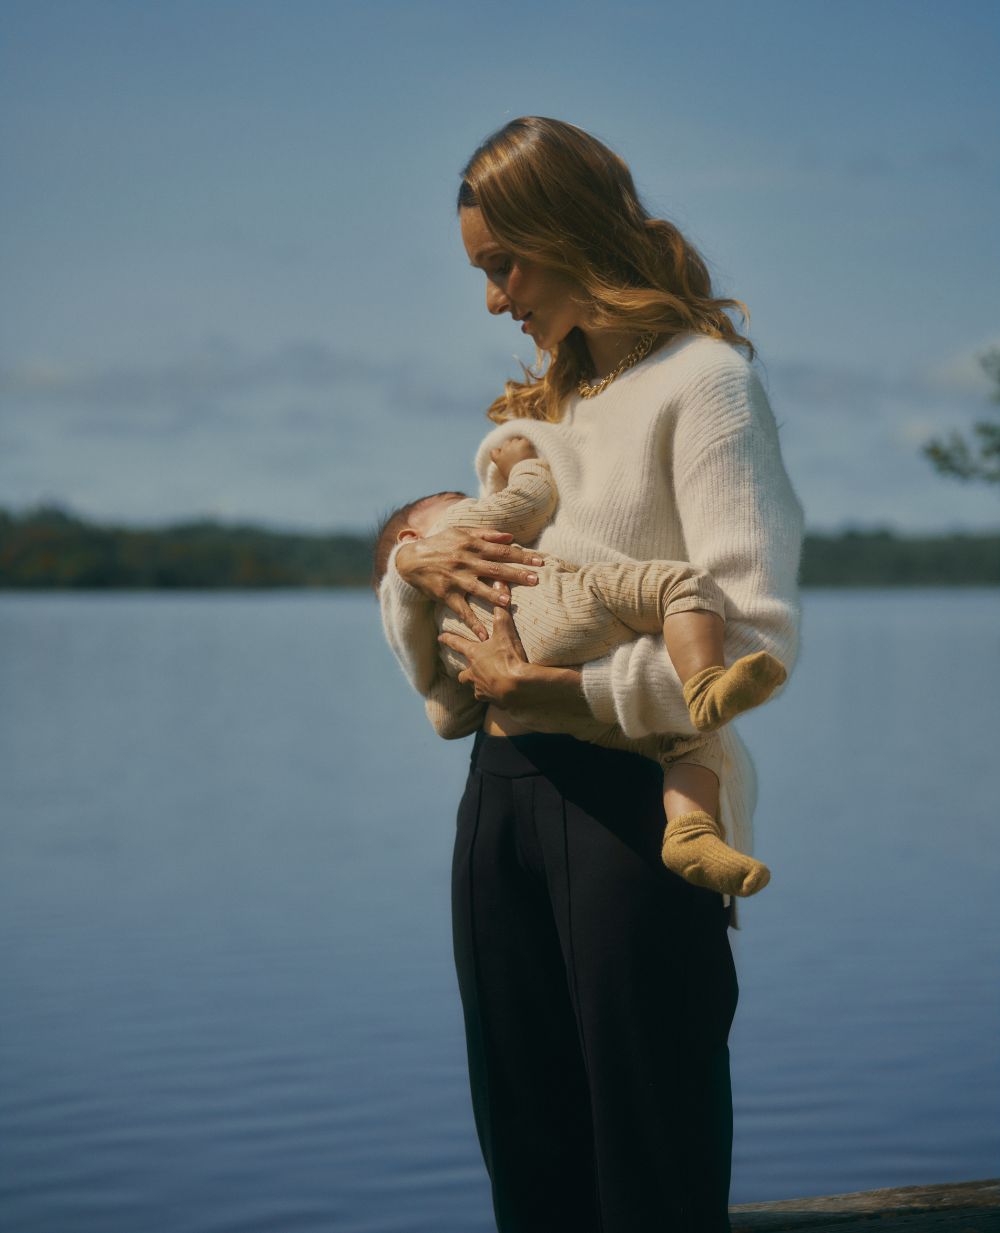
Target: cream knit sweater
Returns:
[677, 459]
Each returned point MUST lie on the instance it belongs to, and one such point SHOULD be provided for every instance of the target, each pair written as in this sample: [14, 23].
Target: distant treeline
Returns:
[881, 558]
[51, 548]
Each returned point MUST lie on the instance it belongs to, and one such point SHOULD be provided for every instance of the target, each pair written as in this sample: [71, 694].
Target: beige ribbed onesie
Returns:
[574, 614]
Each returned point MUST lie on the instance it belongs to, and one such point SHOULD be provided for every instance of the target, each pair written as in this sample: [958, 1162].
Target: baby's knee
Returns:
[693, 582]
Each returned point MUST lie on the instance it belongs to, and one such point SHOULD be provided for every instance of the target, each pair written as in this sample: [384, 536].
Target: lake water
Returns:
[228, 1001]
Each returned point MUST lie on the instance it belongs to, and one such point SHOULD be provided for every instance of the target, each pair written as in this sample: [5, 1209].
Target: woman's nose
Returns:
[496, 301]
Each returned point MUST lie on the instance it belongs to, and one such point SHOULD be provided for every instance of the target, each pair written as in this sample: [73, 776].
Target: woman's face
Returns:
[541, 299]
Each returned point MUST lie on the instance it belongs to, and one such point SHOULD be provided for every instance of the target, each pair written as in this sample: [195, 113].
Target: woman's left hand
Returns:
[497, 666]
[499, 673]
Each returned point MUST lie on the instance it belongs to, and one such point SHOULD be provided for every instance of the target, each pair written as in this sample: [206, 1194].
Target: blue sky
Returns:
[234, 286]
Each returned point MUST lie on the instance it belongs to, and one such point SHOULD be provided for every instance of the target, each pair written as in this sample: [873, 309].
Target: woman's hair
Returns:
[552, 194]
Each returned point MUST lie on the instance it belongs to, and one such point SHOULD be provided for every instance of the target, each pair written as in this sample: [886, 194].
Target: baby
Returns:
[579, 613]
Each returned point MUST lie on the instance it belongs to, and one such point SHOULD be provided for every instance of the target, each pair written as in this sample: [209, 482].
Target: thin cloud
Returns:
[223, 387]
[870, 165]
[300, 433]
[958, 379]
[953, 156]
[219, 369]
[852, 443]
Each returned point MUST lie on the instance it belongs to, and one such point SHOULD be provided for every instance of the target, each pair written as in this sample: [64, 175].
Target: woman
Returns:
[597, 1045]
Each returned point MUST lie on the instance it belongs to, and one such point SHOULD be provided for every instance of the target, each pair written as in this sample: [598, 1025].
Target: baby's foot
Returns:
[693, 847]
[715, 695]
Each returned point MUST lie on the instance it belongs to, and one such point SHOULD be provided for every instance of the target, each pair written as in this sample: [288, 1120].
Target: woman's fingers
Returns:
[485, 590]
[470, 652]
[515, 575]
[502, 563]
[504, 628]
[495, 592]
[494, 668]
[501, 548]
[457, 643]
[465, 613]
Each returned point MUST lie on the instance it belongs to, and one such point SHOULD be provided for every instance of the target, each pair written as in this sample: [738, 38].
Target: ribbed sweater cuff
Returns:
[596, 679]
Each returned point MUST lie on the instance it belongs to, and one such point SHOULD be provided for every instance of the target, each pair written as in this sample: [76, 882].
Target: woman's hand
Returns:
[497, 666]
[453, 564]
[499, 672]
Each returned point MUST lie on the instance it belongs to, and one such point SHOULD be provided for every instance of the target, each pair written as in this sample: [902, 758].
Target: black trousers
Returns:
[598, 990]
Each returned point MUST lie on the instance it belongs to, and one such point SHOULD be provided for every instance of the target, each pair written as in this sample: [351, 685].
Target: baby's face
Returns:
[428, 512]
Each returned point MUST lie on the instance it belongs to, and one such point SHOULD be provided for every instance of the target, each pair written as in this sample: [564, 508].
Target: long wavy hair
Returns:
[555, 195]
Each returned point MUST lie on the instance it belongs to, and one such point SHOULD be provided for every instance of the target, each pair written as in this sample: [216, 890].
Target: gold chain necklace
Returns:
[638, 352]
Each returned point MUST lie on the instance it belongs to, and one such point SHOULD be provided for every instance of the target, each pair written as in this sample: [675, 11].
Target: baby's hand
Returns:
[512, 450]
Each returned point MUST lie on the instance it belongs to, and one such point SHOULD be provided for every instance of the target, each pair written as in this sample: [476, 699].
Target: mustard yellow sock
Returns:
[716, 694]
[694, 848]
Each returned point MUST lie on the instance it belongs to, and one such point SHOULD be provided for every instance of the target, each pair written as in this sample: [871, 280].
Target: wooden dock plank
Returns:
[947, 1207]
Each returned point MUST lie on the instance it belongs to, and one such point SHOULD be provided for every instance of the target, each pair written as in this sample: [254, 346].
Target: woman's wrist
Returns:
[403, 558]
[397, 579]
[596, 685]
[537, 685]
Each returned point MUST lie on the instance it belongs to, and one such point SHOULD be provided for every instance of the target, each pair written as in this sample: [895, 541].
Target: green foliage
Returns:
[51, 548]
[979, 458]
[878, 558]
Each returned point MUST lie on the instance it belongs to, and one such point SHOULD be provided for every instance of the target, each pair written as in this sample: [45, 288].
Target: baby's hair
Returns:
[389, 527]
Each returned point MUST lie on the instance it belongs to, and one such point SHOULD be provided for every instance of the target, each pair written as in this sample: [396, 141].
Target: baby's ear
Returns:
[407, 533]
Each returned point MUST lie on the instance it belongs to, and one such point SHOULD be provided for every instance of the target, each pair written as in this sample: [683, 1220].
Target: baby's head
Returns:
[411, 521]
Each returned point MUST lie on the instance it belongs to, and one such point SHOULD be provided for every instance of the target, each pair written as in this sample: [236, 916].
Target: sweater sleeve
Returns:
[453, 709]
[410, 628]
[741, 521]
